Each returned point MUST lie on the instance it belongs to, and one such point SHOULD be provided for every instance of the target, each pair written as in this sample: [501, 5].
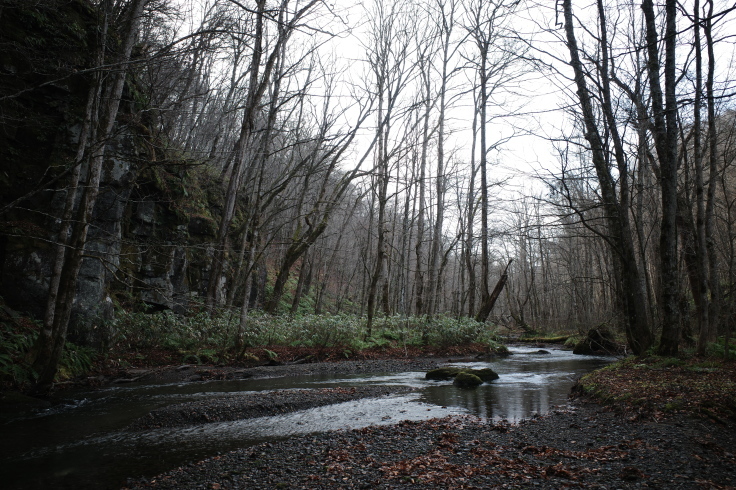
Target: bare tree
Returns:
[261, 70]
[389, 62]
[101, 113]
[497, 56]
[614, 201]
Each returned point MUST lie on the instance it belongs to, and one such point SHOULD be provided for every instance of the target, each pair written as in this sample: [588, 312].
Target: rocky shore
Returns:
[191, 373]
[238, 407]
[584, 445]
[581, 445]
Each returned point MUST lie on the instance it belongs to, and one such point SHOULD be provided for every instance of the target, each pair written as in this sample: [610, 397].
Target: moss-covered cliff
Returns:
[155, 218]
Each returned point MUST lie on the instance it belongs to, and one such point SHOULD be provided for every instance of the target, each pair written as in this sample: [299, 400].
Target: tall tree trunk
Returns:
[45, 342]
[487, 307]
[485, 252]
[61, 295]
[714, 315]
[239, 155]
[447, 20]
[240, 343]
[638, 333]
[404, 251]
[419, 247]
[304, 271]
[259, 81]
[701, 248]
[382, 178]
[635, 285]
[665, 140]
[469, 262]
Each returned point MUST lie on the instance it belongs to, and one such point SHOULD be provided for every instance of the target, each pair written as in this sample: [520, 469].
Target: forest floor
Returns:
[641, 423]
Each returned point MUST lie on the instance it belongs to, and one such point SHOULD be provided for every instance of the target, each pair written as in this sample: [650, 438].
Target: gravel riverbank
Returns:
[583, 446]
[191, 373]
[238, 407]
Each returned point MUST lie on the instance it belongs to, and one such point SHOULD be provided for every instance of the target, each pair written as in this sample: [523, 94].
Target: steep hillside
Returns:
[155, 218]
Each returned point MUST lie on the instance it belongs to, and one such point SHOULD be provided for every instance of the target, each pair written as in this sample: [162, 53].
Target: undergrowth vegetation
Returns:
[204, 339]
[17, 336]
[655, 386]
[201, 339]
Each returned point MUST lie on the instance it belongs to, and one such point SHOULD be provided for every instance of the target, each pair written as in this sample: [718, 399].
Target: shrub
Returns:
[446, 331]
[16, 340]
[200, 331]
[173, 332]
[75, 361]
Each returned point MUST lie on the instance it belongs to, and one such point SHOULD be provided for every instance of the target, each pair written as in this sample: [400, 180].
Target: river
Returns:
[82, 442]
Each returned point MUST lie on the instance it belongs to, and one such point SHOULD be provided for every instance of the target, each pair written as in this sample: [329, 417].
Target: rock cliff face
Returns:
[143, 248]
[154, 222]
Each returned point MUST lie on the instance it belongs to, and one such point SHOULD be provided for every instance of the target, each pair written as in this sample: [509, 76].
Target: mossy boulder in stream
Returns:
[443, 373]
[467, 380]
[447, 373]
[485, 374]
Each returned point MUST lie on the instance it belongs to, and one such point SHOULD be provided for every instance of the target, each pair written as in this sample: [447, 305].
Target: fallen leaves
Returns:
[602, 454]
[435, 466]
[657, 387]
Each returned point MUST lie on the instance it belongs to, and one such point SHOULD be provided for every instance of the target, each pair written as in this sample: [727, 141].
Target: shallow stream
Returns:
[82, 442]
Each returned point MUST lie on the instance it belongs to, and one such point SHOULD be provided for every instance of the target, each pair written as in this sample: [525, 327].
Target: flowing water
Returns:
[82, 442]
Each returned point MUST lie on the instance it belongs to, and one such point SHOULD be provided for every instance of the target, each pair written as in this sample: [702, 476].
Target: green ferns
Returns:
[17, 337]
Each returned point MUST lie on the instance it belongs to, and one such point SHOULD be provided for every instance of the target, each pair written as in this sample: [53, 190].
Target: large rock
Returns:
[467, 380]
[443, 373]
[447, 373]
[485, 374]
[154, 223]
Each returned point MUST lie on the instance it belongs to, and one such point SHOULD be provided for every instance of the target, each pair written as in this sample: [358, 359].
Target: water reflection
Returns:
[529, 383]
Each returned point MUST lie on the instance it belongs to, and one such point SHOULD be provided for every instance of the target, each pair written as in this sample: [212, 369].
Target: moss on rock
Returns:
[467, 380]
[485, 374]
[447, 373]
[443, 373]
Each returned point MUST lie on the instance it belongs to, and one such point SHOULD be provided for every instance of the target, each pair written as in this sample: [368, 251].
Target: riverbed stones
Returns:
[485, 374]
[610, 451]
[246, 406]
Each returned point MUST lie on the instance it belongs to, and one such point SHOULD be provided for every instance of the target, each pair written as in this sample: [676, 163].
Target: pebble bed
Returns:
[582, 446]
[237, 407]
[348, 367]
[193, 373]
